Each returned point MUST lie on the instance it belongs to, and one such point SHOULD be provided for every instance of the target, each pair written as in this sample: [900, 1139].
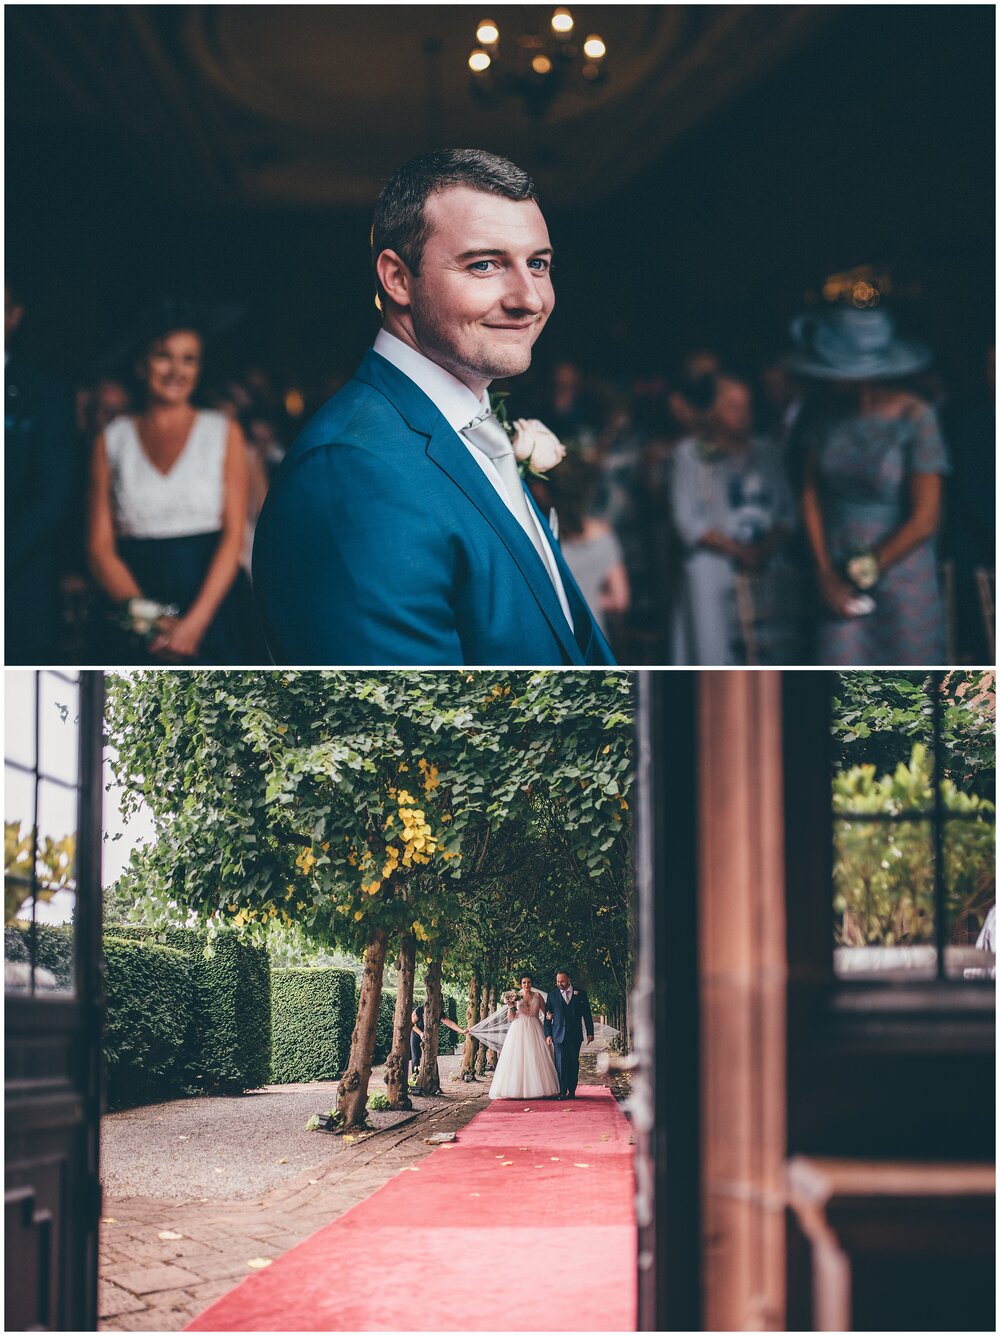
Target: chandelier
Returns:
[536, 66]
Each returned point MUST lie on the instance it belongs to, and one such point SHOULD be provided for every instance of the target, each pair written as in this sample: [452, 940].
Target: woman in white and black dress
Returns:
[525, 1068]
[167, 512]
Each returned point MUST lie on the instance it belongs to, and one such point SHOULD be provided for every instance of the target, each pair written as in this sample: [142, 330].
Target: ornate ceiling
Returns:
[314, 105]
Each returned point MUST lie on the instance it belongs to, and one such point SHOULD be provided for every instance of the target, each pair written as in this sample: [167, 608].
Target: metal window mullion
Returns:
[35, 773]
[33, 934]
[940, 922]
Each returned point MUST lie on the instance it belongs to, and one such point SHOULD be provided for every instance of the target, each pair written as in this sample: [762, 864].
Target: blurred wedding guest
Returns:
[568, 410]
[590, 545]
[696, 368]
[970, 426]
[874, 459]
[987, 939]
[782, 396]
[167, 513]
[731, 509]
[102, 401]
[41, 486]
[264, 454]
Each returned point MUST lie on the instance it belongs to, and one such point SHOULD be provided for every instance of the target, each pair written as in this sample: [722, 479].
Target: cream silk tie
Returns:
[489, 437]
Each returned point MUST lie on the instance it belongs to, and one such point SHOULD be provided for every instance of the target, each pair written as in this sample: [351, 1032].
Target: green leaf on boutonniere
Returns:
[498, 403]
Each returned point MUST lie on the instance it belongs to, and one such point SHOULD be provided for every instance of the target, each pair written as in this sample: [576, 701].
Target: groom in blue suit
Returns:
[398, 530]
[567, 1015]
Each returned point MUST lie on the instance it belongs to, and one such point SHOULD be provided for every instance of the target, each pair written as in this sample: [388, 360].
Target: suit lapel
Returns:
[589, 636]
[445, 448]
[450, 455]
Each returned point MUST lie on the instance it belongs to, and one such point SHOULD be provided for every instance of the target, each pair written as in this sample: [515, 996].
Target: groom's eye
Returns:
[540, 264]
[480, 266]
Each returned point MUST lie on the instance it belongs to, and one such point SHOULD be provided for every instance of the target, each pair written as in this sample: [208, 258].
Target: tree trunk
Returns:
[397, 1064]
[471, 1045]
[430, 1082]
[492, 1055]
[352, 1093]
[484, 1011]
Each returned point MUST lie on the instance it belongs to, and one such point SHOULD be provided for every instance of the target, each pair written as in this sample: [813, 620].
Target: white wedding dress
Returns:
[526, 1068]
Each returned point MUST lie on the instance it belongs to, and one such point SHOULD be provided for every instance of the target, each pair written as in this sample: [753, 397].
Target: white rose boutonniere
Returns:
[536, 449]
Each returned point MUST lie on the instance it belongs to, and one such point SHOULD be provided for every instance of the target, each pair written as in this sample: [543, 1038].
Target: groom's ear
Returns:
[395, 276]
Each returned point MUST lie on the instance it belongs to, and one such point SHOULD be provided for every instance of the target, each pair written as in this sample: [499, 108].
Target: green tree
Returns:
[352, 803]
[55, 866]
[878, 716]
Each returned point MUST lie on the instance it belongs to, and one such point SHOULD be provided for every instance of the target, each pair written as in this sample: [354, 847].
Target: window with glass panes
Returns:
[914, 786]
[41, 815]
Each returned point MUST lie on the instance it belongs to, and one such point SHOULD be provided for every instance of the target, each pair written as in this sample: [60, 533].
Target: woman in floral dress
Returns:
[874, 460]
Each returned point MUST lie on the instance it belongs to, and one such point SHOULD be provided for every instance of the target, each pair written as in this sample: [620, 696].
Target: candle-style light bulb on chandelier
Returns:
[536, 66]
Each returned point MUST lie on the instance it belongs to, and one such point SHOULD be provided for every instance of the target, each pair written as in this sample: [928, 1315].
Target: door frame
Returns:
[44, 1098]
[665, 1092]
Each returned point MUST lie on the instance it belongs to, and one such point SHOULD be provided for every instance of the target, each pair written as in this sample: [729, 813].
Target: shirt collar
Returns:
[456, 402]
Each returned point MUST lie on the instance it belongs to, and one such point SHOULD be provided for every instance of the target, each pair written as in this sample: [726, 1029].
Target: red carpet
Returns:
[525, 1223]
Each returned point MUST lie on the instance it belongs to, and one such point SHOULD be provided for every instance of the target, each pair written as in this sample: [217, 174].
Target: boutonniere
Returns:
[536, 449]
[863, 570]
[709, 452]
[141, 616]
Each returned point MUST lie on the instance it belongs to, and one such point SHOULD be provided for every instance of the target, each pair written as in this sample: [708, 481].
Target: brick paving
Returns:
[149, 1283]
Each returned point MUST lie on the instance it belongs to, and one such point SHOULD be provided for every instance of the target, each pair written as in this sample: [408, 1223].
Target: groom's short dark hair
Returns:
[399, 223]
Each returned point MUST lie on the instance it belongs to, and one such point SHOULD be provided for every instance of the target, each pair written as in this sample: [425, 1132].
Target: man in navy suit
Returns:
[567, 1015]
[398, 530]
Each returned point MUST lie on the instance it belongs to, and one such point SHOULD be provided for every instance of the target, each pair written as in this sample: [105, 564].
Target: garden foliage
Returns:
[225, 998]
[884, 871]
[149, 1031]
[53, 952]
[368, 807]
[312, 1017]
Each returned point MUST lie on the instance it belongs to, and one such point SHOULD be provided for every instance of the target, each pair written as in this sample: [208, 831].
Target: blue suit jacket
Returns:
[568, 1021]
[382, 542]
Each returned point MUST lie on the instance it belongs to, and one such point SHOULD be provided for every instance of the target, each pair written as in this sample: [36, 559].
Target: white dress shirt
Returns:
[458, 406]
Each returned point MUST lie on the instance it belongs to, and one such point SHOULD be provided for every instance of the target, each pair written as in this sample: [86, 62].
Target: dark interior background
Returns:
[870, 138]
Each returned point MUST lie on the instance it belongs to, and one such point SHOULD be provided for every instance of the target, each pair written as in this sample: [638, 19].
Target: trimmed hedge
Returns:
[54, 947]
[227, 997]
[312, 1019]
[149, 1021]
[235, 988]
[383, 1030]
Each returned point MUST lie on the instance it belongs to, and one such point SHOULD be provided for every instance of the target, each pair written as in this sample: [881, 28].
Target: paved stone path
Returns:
[154, 1283]
[177, 1235]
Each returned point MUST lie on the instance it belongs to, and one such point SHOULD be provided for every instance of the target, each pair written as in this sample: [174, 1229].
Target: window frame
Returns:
[88, 789]
[942, 1013]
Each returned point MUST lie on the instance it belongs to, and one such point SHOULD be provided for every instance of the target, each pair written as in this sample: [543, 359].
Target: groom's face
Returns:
[484, 290]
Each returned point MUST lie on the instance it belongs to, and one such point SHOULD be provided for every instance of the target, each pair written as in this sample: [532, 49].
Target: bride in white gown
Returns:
[525, 1068]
